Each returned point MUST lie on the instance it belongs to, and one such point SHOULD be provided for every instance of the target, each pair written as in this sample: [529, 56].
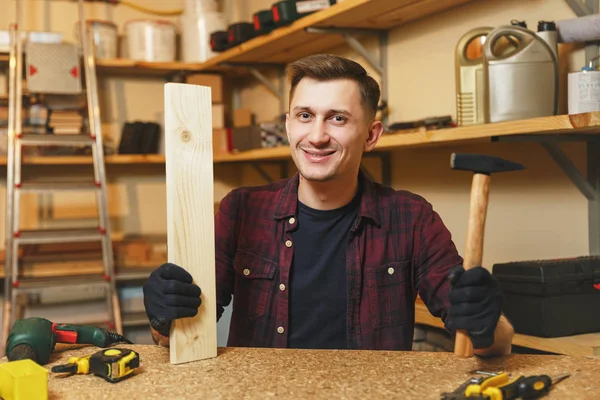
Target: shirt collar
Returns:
[287, 204]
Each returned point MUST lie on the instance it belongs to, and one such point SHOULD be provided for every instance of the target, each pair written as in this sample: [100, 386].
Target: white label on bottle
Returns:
[311, 5]
[584, 92]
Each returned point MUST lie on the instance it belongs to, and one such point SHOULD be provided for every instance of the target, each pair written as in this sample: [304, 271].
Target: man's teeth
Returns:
[320, 154]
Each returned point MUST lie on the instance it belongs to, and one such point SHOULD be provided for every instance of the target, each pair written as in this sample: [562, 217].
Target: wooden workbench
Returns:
[263, 373]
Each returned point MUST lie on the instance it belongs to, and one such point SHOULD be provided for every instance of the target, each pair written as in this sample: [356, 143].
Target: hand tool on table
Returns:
[482, 167]
[113, 364]
[35, 338]
[502, 387]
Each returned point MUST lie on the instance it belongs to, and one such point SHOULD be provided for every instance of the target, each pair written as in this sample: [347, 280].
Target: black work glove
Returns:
[169, 294]
[475, 304]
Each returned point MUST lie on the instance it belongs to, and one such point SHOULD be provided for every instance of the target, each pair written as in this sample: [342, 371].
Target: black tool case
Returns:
[551, 298]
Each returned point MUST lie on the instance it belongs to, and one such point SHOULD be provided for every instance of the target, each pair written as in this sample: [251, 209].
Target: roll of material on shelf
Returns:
[582, 29]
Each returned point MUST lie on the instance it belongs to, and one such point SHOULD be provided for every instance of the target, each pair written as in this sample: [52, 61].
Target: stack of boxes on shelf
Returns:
[220, 135]
[237, 130]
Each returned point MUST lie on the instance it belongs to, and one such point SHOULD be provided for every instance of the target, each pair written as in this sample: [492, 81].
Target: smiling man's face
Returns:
[328, 129]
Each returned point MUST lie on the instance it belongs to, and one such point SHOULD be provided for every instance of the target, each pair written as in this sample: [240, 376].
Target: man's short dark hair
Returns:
[323, 67]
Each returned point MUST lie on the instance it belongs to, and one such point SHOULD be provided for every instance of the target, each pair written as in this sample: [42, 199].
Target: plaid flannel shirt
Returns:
[398, 248]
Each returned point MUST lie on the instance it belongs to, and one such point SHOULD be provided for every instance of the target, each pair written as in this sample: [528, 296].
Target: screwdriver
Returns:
[530, 387]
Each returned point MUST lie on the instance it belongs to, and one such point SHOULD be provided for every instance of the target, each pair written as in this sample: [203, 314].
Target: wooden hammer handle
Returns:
[474, 247]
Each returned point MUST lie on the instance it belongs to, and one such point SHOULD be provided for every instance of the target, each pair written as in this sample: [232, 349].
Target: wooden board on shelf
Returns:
[142, 68]
[289, 43]
[286, 44]
[579, 124]
[575, 126]
[577, 345]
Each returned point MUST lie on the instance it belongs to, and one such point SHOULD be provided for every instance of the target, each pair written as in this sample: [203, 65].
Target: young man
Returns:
[328, 258]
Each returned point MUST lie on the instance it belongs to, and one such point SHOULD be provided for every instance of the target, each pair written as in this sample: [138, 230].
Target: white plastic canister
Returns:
[151, 40]
[104, 35]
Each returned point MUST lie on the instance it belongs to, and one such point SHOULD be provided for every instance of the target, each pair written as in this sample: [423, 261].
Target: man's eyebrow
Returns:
[332, 111]
[302, 108]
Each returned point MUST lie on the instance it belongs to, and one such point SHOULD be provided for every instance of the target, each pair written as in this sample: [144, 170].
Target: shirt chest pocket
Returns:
[388, 292]
[254, 284]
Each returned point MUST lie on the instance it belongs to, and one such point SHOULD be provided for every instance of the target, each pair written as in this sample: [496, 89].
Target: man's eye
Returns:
[304, 115]
[339, 118]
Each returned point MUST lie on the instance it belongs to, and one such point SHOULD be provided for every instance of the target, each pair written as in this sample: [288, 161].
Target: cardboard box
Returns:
[214, 81]
[246, 138]
[243, 117]
[220, 142]
[218, 116]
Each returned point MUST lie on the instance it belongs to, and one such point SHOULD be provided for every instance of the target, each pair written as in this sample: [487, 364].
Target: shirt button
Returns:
[288, 243]
[292, 221]
[282, 287]
[391, 271]
[280, 329]
[246, 272]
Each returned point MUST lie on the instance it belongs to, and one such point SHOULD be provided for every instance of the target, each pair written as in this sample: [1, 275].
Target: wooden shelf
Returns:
[139, 68]
[570, 125]
[289, 43]
[292, 42]
[577, 345]
[576, 127]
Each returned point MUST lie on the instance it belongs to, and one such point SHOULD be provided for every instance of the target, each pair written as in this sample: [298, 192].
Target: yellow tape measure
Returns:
[114, 364]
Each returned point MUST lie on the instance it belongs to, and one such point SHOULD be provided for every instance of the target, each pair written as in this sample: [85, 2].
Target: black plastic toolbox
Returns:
[551, 298]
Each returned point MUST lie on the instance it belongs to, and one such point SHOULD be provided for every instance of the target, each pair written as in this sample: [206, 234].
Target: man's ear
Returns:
[375, 131]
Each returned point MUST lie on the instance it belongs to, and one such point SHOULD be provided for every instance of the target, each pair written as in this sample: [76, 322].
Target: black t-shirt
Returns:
[318, 288]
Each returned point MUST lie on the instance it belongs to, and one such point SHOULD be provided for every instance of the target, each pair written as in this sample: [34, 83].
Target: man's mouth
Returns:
[318, 153]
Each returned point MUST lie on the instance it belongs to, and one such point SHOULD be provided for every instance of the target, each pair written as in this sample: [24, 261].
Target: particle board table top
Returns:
[248, 373]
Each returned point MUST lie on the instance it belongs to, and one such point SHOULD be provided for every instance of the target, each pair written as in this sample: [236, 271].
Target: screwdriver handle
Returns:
[532, 387]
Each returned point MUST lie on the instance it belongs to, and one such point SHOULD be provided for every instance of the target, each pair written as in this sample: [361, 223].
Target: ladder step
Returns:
[56, 140]
[57, 186]
[66, 283]
[58, 236]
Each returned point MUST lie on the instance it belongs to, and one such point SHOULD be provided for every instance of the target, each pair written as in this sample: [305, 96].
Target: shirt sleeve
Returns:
[225, 248]
[435, 255]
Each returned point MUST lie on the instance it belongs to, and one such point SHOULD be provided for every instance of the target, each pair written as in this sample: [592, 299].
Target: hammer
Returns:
[481, 166]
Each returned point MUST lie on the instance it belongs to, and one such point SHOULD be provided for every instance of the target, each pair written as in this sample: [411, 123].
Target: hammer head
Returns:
[482, 164]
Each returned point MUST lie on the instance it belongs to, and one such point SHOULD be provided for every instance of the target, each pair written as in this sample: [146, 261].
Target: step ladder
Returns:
[16, 237]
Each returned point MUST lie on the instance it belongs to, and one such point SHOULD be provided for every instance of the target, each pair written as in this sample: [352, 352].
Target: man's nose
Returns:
[318, 134]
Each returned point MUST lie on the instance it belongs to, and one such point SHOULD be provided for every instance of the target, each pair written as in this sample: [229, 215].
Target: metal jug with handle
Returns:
[521, 74]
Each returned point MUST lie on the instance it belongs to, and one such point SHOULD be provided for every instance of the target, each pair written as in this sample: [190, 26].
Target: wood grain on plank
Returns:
[190, 211]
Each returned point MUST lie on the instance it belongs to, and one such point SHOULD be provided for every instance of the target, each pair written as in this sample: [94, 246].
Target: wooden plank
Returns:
[580, 124]
[576, 345]
[190, 213]
[414, 11]
[120, 66]
[587, 123]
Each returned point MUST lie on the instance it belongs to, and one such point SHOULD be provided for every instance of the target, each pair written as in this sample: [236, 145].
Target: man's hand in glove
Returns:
[475, 304]
[169, 294]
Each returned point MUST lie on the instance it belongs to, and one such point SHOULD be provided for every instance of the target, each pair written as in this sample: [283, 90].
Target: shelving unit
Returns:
[580, 127]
